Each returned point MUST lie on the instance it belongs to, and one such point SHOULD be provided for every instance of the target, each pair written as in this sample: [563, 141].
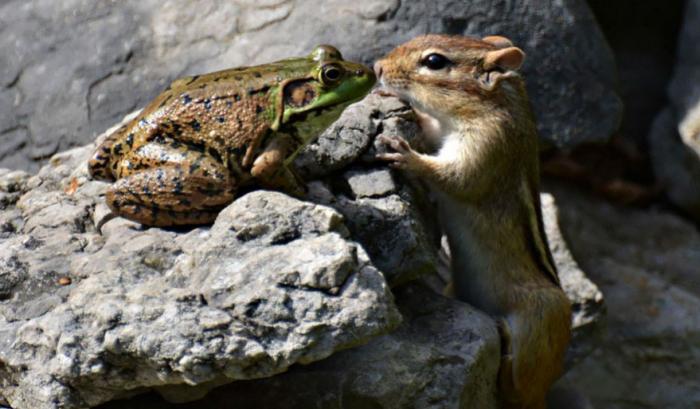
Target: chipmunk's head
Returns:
[453, 76]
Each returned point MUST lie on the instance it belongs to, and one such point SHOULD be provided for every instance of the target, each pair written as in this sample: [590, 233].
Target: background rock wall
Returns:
[70, 69]
[675, 137]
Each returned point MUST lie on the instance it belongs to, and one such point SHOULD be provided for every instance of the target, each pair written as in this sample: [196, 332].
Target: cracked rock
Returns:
[587, 303]
[646, 262]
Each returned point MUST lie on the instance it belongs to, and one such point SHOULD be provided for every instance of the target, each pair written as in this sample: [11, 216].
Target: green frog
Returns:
[184, 157]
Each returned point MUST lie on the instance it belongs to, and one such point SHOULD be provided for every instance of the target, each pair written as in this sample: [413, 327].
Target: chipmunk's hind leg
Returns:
[506, 380]
[535, 337]
[513, 390]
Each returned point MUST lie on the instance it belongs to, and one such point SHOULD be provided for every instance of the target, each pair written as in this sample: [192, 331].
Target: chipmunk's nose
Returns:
[378, 69]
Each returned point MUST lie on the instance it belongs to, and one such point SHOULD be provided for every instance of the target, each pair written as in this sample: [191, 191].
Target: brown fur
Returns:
[484, 170]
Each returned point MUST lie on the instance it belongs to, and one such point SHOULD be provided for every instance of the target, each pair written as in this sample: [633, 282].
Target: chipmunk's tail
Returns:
[534, 340]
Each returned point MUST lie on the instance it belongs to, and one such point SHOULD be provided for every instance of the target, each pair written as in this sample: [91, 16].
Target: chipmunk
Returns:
[475, 114]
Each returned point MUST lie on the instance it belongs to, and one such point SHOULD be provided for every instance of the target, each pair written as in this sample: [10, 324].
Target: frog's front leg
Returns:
[271, 171]
[189, 191]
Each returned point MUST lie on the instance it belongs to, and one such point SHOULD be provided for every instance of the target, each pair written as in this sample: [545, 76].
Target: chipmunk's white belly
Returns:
[473, 263]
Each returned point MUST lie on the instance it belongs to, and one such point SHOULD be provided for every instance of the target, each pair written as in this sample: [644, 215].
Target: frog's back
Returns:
[222, 111]
[212, 112]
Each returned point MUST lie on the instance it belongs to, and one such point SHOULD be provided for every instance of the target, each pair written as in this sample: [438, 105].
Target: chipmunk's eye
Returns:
[435, 61]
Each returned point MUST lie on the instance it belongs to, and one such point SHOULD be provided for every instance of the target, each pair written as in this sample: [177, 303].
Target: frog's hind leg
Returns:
[100, 164]
[168, 197]
[187, 193]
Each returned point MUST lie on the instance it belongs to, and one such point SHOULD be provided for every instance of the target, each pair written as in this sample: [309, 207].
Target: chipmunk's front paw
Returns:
[404, 156]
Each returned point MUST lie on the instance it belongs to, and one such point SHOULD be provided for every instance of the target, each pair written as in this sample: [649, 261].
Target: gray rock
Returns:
[587, 305]
[566, 397]
[12, 185]
[85, 318]
[371, 184]
[436, 340]
[643, 38]
[388, 216]
[390, 228]
[444, 355]
[676, 164]
[675, 136]
[69, 69]
[646, 262]
[153, 307]
[275, 282]
[352, 137]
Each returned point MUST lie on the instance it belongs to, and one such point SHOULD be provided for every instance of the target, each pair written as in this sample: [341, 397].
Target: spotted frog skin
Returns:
[192, 148]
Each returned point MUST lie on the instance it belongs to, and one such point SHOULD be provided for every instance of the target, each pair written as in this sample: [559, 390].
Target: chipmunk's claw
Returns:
[396, 143]
[396, 160]
[404, 155]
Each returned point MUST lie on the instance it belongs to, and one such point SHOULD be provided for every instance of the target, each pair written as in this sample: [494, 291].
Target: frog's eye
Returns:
[435, 61]
[331, 74]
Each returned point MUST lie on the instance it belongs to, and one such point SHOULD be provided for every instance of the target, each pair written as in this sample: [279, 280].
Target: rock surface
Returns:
[444, 355]
[643, 37]
[381, 213]
[675, 136]
[587, 307]
[86, 317]
[646, 262]
[676, 164]
[70, 69]
[274, 282]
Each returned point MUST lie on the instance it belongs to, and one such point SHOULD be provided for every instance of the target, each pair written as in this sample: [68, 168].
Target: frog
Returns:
[205, 138]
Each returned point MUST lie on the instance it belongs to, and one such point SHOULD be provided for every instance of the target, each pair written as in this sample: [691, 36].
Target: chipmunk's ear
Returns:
[509, 58]
[498, 41]
[499, 65]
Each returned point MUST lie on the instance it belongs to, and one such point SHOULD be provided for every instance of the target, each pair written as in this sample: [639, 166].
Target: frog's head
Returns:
[309, 103]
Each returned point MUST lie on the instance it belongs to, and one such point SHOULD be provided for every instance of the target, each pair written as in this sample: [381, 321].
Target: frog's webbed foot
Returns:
[284, 179]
